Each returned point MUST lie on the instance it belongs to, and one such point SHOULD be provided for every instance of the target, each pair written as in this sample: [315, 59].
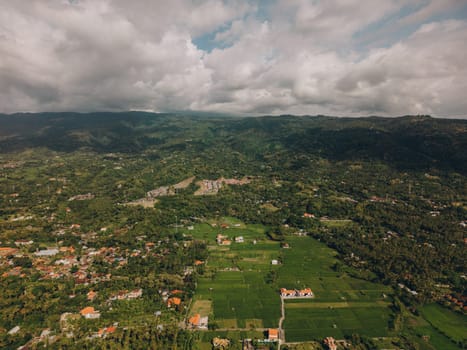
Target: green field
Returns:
[447, 322]
[235, 287]
[342, 305]
[235, 276]
[240, 300]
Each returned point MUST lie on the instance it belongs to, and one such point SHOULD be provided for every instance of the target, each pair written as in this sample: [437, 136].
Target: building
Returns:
[296, 293]
[239, 239]
[134, 294]
[108, 330]
[196, 321]
[220, 343]
[6, 251]
[91, 295]
[90, 313]
[287, 292]
[273, 334]
[23, 242]
[47, 252]
[174, 301]
[14, 330]
[305, 292]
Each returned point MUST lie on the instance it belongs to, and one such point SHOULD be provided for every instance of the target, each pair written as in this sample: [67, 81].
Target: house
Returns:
[220, 238]
[287, 292]
[23, 242]
[330, 343]
[193, 321]
[226, 242]
[285, 245]
[239, 239]
[220, 343]
[47, 252]
[305, 292]
[308, 215]
[69, 249]
[134, 294]
[14, 330]
[273, 334]
[174, 301]
[6, 251]
[198, 262]
[104, 331]
[203, 322]
[91, 295]
[89, 313]
[274, 262]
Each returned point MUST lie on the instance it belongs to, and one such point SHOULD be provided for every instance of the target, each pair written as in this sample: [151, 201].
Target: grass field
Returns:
[342, 305]
[451, 324]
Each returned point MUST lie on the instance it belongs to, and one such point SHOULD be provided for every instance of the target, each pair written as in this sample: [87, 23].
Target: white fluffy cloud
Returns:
[293, 56]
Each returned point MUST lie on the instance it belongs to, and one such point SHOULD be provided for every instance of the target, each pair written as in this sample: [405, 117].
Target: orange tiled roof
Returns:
[91, 295]
[174, 301]
[87, 310]
[110, 329]
[7, 251]
[273, 333]
[194, 320]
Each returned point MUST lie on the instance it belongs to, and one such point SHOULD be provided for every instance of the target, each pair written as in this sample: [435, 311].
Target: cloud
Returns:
[292, 56]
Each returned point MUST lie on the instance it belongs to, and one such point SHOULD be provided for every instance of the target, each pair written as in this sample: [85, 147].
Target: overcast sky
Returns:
[336, 57]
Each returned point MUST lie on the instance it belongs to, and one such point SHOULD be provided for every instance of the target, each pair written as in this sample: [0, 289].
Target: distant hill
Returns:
[409, 142]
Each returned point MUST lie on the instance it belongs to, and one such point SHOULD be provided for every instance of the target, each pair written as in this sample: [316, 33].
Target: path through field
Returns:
[281, 331]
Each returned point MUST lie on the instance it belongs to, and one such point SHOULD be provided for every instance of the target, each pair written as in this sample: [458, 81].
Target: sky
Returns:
[245, 57]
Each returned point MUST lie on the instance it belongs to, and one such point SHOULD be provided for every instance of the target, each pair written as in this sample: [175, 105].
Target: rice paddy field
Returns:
[446, 322]
[237, 295]
[234, 283]
[342, 305]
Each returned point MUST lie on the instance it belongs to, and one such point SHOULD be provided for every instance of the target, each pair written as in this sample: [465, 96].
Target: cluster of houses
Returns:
[126, 295]
[460, 301]
[296, 293]
[224, 240]
[171, 297]
[63, 261]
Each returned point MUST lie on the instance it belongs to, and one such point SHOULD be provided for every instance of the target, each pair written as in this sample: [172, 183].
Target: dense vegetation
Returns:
[388, 194]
